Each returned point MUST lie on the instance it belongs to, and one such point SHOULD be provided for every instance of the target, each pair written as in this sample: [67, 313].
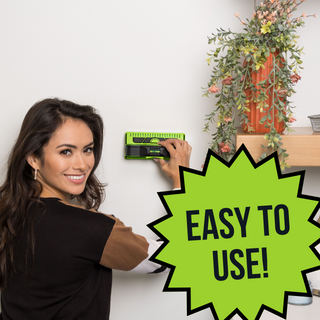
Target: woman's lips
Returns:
[78, 179]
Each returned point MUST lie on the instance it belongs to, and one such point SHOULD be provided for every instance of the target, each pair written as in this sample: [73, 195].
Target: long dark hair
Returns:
[20, 190]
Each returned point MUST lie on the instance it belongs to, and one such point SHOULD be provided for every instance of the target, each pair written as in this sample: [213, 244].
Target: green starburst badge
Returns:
[240, 230]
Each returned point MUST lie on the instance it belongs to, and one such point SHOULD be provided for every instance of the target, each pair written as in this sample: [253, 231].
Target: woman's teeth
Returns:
[75, 177]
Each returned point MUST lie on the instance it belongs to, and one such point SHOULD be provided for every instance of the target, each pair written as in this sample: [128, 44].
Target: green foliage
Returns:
[237, 57]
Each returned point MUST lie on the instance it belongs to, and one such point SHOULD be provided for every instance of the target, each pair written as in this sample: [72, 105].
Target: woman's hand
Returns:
[180, 152]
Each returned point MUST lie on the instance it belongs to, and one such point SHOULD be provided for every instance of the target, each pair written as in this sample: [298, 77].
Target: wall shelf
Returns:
[303, 146]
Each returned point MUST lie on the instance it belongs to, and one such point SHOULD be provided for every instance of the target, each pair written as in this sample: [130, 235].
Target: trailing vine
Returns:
[271, 32]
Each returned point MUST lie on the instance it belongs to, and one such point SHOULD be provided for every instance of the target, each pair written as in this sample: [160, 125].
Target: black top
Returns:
[69, 277]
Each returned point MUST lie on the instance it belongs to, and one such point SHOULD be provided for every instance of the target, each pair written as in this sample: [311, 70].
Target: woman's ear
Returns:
[33, 161]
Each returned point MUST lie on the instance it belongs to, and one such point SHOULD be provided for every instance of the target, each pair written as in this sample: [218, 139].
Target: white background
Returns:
[142, 64]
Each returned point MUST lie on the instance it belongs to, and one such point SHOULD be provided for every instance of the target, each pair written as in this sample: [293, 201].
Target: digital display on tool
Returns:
[144, 145]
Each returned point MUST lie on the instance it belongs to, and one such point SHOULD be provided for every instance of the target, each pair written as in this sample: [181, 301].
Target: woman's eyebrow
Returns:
[74, 147]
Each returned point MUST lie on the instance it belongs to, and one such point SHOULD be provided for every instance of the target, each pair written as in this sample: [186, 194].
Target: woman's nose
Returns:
[79, 163]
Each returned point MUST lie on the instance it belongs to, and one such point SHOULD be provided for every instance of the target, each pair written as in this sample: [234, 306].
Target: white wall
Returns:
[142, 64]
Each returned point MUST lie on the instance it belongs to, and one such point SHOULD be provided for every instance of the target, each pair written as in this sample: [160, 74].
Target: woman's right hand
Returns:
[180, 152]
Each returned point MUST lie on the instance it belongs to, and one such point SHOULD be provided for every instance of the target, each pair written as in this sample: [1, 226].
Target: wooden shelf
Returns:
[303, 146]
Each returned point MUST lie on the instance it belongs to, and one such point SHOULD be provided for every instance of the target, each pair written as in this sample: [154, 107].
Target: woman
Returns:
[56, 258]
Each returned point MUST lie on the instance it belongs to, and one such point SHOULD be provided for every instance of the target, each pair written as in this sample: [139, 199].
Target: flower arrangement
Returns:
[270, 34]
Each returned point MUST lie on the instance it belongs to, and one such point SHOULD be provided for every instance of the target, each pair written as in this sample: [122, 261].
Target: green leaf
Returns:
[263, 119]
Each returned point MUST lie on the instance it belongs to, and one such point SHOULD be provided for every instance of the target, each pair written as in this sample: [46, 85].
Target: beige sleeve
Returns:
[124, 249]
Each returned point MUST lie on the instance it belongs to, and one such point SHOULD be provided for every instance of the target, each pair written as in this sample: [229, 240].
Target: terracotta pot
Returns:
[255, 115]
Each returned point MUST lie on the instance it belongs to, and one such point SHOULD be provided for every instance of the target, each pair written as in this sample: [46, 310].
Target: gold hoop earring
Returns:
[35, 174]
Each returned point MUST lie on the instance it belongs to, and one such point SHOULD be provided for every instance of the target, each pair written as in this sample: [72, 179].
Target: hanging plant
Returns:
[254, 72]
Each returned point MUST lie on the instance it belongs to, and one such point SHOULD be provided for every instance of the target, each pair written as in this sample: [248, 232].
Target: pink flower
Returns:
[224, 147]
[227, 119]
[292, 119]
[304, 15]
[227, 81]
[295, 78]
[213, 89]
[282, 91]
[237, 14]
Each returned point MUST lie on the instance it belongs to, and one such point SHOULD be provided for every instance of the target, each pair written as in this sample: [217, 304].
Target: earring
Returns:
[35, 174]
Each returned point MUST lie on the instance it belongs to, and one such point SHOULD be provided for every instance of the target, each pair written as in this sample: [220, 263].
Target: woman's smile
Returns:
[75, 178]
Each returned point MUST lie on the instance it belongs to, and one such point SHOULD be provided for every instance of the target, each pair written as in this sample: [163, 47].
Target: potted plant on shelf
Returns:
[253, 77]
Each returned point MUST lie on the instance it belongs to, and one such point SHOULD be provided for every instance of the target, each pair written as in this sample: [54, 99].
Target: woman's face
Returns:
[68, 160]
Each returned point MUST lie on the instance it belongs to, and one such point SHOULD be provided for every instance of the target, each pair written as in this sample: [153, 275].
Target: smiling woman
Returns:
[56, 258]
[67, 161]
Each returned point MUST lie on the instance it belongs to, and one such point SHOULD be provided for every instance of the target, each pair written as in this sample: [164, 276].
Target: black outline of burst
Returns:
[203, 173]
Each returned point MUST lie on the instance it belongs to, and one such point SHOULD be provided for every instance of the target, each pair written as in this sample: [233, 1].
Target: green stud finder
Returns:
[144, 145]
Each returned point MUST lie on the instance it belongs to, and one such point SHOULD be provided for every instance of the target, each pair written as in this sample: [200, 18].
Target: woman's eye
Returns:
[66, 152]
[88, 150]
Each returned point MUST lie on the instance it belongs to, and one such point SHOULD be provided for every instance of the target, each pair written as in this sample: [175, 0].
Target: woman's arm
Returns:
[128, 251]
